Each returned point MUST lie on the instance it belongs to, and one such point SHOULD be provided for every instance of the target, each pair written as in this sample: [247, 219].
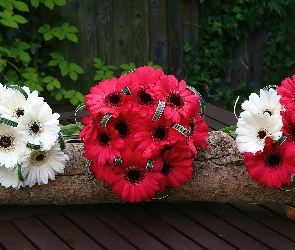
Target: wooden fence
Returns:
[143, 30]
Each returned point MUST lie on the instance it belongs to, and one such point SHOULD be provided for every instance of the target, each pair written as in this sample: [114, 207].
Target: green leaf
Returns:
[64, 69]
[47, 36]
[35, 3]
[49, 4]
[58, 32]
[128, 67]
[73, 75]
[57, 56]
[60, 2]
[72, 37]
[5, 50]
[48, 79]
[52, 63]
[76, 68]
[2, 64]
[24, 56]
[70, 94]
[21, 6]
[80, 97]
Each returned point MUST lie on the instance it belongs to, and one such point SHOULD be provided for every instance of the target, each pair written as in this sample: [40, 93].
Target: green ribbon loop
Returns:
[117, 161]
[61, 141]
[87, 170]
[33, 146]
[149, 165]
[19, 172]
[20, 89]
[201, 101]
[181, 129]
[159, 111]
[280, 141]
[8, 122]
[126, 91]
[105, 120]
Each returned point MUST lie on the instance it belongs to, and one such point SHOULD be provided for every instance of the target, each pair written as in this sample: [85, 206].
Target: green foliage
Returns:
[28, 52]
[104, 72]
[223, 26]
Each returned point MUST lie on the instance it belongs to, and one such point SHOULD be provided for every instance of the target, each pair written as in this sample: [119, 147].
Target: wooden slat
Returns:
[98, 231]
[62, 227]
[39, 235]
[220, 115]
[12, 239]
[254, 229]
[183, 224]
[115, 220]
[218, 226]
[8, 213]
[156, 227]
[269, 219]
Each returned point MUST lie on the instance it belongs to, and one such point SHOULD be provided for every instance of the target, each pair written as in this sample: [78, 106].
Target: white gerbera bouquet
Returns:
[31, 143]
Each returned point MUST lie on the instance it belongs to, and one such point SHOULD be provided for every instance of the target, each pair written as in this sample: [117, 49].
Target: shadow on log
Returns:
[219, 175]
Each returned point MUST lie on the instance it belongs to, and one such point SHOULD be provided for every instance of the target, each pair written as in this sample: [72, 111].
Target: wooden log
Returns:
[219, 175]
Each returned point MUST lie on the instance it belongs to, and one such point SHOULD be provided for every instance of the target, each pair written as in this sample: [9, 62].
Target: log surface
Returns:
[219, 175]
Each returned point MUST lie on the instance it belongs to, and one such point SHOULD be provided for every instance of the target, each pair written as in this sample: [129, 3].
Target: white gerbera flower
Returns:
[12, 146]
[16, 101]
[43, 165]
[40, 125]
[10, 177]
[267, 101]
[2, 90]
[253, 128]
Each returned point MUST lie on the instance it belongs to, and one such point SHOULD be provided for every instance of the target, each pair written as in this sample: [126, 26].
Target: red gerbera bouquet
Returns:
[142, 132]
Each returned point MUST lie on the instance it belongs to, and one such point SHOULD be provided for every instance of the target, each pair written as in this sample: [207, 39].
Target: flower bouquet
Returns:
[142, 133]
[30, 140]
[265, 134]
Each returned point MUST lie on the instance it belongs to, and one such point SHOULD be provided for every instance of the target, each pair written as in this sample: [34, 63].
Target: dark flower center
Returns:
[103, 139]
[167, 167]
[291, 132]
[19, 112]
[134, 175]
[5, 141]
[38, 157]
[144, 98]
[114, 99]
[35, 127]
[122, 127]
[267, 111]
[261, 134]
[273, 159]
[175, 100]
[160, 133]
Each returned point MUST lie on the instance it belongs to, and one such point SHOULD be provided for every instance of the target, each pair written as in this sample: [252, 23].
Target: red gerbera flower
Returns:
[140, 80]
[288, 128]
[153, 136]
[287, 92]
[273, 166]
[108, 97]
[135, 183]
[179, 100]
[199, 133]
[126, 125]
[177, 167]
[106, 172]
[103, 145]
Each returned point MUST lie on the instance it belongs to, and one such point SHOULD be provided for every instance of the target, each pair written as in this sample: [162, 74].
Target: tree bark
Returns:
[219, 175]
